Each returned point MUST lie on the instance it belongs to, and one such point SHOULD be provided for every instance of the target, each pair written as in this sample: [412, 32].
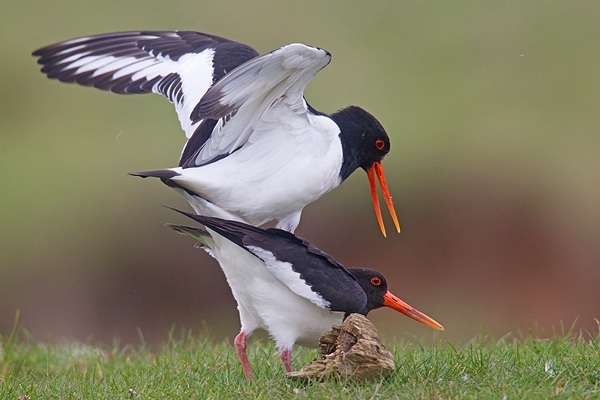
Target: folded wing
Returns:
[302, 267]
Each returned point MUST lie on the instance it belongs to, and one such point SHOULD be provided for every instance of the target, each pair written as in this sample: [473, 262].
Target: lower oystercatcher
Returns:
[256, 151]
[288, 287]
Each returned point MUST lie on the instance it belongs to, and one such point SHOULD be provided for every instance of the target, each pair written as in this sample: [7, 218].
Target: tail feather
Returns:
[201, 235]
[163, 174]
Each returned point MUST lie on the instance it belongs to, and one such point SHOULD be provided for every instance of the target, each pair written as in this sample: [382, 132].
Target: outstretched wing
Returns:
[180, 65]
[239, 99]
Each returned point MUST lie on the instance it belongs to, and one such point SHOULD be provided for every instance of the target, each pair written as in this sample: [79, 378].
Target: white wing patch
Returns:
[284, 273]
[196, 72]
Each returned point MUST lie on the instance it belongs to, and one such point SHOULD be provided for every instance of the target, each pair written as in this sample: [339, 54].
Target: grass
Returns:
[566, 366]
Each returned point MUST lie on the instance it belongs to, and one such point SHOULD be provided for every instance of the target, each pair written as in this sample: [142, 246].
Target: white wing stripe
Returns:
[73, 58]
[81, 62]
[176, 64]
[120, 62]
[95, 64]
[70, 49]
[153, 70]
[196, 71]
[136, 69]
[284, 273]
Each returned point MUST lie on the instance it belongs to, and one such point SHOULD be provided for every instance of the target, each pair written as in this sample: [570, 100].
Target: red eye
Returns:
[376, 281]
[380, 144]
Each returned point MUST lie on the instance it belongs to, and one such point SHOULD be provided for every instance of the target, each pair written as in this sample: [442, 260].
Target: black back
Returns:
[326, 277]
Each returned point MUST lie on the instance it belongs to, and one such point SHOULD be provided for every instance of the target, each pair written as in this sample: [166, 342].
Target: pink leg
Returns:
[240, 348]
[286, 360]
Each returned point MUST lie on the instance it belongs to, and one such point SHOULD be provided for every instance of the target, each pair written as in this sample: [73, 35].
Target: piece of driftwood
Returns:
[352, 350]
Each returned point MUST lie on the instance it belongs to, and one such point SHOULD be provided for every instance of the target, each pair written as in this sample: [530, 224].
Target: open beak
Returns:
[377, 169]
[392, 301]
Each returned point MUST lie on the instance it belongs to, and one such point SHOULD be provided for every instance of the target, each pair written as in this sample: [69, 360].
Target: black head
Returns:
[364, 141]
[364, 144]
[375, 287]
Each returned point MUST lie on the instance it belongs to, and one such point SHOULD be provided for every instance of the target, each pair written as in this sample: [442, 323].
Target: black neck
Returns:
[350, 138]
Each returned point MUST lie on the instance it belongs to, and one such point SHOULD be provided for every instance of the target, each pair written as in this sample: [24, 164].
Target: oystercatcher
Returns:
[289, 287]
[256, 151]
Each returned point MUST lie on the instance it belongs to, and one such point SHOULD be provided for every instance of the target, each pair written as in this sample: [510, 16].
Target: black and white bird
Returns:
[288, 287]
[256, 151]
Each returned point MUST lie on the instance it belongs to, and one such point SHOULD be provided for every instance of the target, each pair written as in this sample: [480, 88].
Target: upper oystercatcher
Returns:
[289, 287]
[256, 151]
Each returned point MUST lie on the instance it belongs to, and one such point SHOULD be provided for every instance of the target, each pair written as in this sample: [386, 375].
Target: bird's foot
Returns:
[286, 360]
[240, 348]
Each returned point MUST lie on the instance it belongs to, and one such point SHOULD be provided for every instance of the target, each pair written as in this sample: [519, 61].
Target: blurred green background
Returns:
[493, 109]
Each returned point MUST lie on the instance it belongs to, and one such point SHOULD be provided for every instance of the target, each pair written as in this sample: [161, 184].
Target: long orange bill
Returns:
[392, 301]
[377, 169]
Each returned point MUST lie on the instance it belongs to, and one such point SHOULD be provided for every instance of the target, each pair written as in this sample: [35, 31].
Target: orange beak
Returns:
[392, 301]
[377, 169]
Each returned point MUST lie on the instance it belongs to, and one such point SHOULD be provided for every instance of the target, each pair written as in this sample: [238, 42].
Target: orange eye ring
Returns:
[376, 281]
[380, 144]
